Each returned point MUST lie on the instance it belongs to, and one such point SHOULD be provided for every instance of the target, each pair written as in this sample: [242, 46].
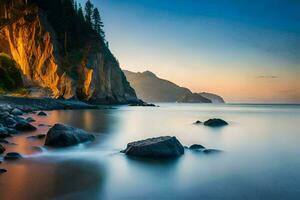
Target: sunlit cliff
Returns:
[89, 72]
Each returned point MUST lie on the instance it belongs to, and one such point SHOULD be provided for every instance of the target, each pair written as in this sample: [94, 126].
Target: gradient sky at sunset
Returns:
[246, 51]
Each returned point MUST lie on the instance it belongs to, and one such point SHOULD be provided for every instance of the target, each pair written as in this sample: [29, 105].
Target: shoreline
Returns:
[47, 104]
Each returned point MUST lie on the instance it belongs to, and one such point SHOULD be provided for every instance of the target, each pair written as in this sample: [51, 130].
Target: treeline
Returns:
[72, 23]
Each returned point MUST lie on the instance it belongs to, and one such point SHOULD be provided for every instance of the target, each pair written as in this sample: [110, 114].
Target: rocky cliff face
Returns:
[29, 39]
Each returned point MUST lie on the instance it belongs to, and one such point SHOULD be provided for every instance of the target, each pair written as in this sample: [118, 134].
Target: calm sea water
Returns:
[260, 159]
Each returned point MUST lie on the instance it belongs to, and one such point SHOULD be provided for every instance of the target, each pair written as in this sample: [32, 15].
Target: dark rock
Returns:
[40, 136]
[44, 125]
[215, 122]
[196, 147]
[2, 149]
[25, 126]
[198, 122]
[63, 136]
[2, 171]
[5, 135]
[211, 151]
[142, 103]
[30, 119]
[10, 122]
[160, 147]
[16, 111]
[12, 131]
[42, 113]
[12, 156]
[4, 115]
[3, 130]
[3, 141]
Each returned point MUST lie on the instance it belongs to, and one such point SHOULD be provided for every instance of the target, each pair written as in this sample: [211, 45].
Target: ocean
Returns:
[260, 156]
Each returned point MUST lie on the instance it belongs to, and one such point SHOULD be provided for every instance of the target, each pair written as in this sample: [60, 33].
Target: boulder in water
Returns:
[42, 113]
[24, 126]
[12, 156]
[196, 147]
[160, 147]
[63, 136]
[215, 122]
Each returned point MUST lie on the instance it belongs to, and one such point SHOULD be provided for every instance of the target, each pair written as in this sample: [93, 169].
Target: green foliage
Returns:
[10, 75]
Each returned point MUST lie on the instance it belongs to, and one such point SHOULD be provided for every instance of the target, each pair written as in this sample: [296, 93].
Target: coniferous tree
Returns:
[88, 13]
[97, 23]
[80, 14]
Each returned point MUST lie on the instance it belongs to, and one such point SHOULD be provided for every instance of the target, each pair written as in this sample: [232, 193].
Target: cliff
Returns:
[213, 97]
[151, 88]
[85, 71]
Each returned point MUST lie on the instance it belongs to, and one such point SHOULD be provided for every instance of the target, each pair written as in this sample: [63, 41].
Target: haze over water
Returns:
[260, 158]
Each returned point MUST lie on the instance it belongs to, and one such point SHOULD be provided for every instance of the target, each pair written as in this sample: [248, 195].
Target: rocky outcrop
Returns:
[213, 97]
[161, 147]
[63, 136]
[30, 40]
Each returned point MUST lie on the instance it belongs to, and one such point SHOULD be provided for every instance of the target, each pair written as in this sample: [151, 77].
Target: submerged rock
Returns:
[160, 147]
[39, 136]
[63, 136]
[2, 149]
[211, 151]
[24, 126]
[196, 147]
[12, 156]
[42, 113]
[215, 122]
[198, 122]
[30, 119]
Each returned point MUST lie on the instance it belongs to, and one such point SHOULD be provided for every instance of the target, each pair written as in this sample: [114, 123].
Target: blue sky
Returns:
[246, 51]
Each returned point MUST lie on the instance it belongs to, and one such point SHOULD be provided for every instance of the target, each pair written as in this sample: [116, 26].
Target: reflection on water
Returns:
[260, 159]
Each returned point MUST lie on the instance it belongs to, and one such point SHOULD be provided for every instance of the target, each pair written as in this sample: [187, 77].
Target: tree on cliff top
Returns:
[89, 12]
[97, 23]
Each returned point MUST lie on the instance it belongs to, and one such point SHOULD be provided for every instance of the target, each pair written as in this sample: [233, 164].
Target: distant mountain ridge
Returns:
[151, 88]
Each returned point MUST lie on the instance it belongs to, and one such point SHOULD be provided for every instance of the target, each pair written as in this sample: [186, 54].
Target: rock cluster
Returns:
[11, 123]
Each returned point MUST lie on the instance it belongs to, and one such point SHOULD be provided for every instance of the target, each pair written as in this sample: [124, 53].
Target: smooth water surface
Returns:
[260, 158]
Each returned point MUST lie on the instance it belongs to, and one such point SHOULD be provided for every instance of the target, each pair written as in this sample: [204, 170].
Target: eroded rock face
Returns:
[161, 147]
[63, 136]
[30, 41]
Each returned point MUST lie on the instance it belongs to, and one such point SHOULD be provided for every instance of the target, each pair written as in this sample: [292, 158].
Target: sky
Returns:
[245, 51]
